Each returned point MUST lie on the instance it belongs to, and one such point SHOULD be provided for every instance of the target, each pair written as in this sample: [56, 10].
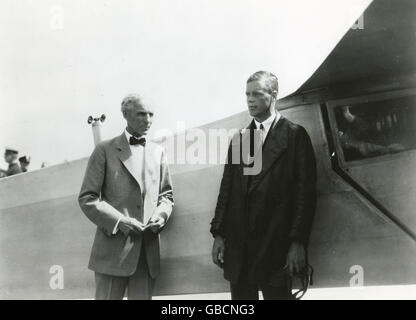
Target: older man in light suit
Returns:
[127, 193]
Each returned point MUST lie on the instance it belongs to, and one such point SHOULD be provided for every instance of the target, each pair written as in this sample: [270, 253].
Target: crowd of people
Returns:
[16, 164]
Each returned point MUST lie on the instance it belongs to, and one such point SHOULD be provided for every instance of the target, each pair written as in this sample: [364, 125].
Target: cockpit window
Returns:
[376, 128]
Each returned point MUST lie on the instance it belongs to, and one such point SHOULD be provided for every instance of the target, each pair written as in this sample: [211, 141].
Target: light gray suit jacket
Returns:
[111, 189]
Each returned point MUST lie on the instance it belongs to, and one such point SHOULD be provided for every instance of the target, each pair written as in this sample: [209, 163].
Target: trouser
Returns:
[243, 290]
[277, 288]
[139, 286]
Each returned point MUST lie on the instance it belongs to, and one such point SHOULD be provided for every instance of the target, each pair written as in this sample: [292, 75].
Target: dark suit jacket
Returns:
[13, 169]
[259, 220]
[112, 189]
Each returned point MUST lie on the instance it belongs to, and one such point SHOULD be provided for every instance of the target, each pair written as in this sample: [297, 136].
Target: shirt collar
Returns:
[128, 135]
[268, 122]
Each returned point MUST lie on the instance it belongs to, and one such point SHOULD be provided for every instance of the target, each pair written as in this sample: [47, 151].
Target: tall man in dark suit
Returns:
[127, 193]
[262, 222]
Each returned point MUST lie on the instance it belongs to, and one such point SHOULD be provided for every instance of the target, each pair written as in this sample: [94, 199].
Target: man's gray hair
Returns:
[270, 80]
[129, 101]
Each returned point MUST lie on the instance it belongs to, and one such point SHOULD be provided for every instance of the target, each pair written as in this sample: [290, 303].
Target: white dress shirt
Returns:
[267, 124]
[137, 152]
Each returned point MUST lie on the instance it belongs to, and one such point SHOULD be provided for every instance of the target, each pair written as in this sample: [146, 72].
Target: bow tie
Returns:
[133, 141]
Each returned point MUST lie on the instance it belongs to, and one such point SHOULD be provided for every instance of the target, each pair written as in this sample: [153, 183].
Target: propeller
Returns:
[101, 119]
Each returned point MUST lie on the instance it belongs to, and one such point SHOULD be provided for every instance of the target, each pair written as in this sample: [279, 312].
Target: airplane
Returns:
[364, 230]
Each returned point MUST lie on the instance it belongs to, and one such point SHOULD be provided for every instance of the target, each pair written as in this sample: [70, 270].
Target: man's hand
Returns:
[155, 224]
[218, 251]
[129, 225]
[296, 258]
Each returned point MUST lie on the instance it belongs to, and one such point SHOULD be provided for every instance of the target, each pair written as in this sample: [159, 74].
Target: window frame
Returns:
[332, 104]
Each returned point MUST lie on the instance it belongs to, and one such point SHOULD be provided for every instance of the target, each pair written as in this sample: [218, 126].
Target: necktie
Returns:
[134, 141]
[262, 132]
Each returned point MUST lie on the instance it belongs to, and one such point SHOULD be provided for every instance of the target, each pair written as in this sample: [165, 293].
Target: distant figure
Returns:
[10, 156]
[127, 194]
[262, 222]
[44, 164]
[24, 163]
[357, 138]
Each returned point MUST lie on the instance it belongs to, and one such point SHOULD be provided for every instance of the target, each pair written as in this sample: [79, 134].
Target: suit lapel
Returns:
[150, 161]
[126, 158]
[273, 148]
[148, 185]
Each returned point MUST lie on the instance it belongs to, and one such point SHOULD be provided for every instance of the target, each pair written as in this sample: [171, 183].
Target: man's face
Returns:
[9, 157]
[23, 165]
[139, 119]
[258, 100]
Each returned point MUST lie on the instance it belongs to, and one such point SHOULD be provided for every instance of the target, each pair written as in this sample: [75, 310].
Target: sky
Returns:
[61, 61]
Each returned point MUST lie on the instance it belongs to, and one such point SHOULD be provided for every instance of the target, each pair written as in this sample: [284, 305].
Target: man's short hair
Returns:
[270, 80]
[129, 101]
[24, 159]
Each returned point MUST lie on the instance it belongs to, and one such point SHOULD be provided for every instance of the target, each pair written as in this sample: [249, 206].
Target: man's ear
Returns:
[274, 94]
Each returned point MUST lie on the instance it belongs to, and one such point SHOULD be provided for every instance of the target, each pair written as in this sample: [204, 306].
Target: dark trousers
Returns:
[277, 288]
[139, 286]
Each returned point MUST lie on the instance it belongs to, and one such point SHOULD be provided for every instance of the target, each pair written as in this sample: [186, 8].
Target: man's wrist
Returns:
[163, 216]
[219, 237]
[123, 224]
[162, 221]
[297, 243]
